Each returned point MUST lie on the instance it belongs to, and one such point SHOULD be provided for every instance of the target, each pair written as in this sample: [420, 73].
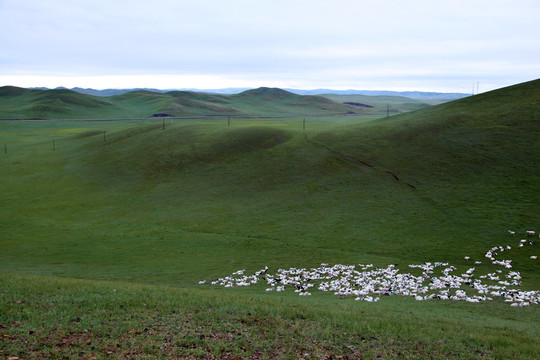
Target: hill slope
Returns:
[275, 101]
[196, 201]
[473, 159]
[17, 103]
[431, 185]
[381, 104]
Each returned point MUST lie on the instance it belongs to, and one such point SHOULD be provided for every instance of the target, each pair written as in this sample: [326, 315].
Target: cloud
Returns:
[315, 43]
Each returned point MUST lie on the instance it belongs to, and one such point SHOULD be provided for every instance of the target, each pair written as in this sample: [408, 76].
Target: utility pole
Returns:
[304, 124]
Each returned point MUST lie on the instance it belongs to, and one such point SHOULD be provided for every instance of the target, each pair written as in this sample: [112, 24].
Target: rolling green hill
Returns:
[200, 199]
[474, 157]
[381, 104]
[452, 177]
[28, 103]
[19, 103]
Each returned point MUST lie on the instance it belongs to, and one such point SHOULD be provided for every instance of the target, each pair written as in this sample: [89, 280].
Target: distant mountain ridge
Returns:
[418, 95]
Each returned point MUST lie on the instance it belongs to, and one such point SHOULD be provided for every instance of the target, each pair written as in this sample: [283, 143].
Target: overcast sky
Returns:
[427, 45]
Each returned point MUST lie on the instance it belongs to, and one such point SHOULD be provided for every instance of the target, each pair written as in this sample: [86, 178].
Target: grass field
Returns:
[19, 103]
[126, 217]
[54, 317]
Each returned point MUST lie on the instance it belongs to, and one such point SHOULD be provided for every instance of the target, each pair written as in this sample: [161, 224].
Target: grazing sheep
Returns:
[368, 283]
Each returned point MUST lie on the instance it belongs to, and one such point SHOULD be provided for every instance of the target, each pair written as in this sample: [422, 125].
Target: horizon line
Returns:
[235, 88]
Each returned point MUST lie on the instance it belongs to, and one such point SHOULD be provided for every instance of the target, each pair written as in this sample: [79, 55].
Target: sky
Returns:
[421, 45]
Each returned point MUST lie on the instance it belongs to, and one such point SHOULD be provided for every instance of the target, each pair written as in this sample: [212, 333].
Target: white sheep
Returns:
[367, 283]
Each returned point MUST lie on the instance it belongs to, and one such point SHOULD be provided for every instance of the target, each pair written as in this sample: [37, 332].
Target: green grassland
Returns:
[125, 217]
[18, 103]
[382, 104]
[45, 317]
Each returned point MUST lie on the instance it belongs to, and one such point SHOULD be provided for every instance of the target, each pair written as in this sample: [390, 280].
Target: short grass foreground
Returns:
[51, 318]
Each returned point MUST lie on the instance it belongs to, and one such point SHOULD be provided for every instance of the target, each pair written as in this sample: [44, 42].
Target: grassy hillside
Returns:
[275, 101]
[472, 157]
[381, 104]
[199, 200]
[421, 187]
[17, 103]
[65, 318]
[29, 103]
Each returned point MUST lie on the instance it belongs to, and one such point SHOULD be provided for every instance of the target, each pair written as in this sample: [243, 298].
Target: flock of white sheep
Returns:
[436, 280]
